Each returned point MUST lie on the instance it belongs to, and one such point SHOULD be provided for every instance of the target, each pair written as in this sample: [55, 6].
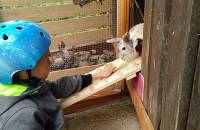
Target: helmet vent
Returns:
[19, 28]
[3, 26]
[41, 34]
[5, 37]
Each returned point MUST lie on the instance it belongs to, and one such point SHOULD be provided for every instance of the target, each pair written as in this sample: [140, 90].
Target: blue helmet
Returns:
[22, 44]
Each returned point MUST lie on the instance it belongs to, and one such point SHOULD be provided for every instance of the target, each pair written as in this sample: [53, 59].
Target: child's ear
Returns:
[114, 40]
[126, 37]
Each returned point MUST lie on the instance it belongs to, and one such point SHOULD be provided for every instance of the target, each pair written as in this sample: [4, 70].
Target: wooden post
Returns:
[122, 20]
[194, 113]
[122, 25]
[122, 17]
[169, 60]
[144, 120]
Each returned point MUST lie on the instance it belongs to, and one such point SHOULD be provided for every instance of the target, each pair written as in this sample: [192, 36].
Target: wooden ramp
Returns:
[129, 70]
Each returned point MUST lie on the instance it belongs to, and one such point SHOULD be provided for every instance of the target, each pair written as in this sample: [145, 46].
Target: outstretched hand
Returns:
[103, 73]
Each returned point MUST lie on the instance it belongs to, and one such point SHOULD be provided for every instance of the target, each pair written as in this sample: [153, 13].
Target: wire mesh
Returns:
[79, 56]
[91, 50]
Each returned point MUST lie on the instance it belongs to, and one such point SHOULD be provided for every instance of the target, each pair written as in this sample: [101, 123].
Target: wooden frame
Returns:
[74, 71]
[144, 120]
[122, 17]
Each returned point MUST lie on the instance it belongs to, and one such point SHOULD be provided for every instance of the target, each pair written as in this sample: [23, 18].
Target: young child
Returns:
[27, 100]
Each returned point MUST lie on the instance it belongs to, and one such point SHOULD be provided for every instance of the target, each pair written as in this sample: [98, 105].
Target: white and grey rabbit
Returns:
[130, 43]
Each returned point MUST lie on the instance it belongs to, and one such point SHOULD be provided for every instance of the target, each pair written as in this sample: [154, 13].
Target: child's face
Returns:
[42, 68]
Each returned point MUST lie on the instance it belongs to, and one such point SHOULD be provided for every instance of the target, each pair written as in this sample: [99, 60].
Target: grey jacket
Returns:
[37, 108]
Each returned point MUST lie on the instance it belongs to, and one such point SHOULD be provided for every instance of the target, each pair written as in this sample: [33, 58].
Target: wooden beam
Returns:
[122, 20]
[131, 68]
[144, 120]
[57, 28]
[122, 25]
[91, 103]
[49, 13]
[28, 2]
[76, 39]
[122, 17]
[69, 72]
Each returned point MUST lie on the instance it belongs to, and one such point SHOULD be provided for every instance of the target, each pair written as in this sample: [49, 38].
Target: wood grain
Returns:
[39, 14]
[193, 122]
[144, 120]
[73, 25]
[82, 38]
[69, 72]
[169, 61]
[23, 2]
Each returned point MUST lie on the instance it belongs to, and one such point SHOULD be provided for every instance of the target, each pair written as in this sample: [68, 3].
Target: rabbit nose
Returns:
[123, 48]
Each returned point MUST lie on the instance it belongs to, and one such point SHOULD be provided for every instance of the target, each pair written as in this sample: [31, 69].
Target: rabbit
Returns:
[131, 42]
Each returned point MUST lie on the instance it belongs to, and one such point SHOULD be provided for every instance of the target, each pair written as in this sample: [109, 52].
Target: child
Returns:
[27, 100]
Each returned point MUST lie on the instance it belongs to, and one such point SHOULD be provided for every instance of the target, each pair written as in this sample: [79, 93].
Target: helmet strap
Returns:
[32, 81]
[29, 74]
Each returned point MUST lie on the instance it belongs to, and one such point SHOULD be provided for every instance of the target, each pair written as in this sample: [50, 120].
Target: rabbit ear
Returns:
[126, 37]
[114, 40]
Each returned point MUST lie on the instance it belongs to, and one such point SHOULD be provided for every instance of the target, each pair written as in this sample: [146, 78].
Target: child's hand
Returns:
[103, 73]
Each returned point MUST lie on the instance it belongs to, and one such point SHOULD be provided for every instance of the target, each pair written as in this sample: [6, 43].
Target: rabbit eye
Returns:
[124, 48]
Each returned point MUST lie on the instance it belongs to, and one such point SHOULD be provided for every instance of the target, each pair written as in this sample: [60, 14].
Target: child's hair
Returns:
[23, 43]
[16, 78]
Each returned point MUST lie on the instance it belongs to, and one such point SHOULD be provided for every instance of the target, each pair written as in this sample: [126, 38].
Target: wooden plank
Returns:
[66, 26]
[39, 14]
[144, 120]
[193, 122]
[171, 49]
[152, 60]
[122, 20]
[122, 24]
[113, 89]
[91, 103]
[180, 70]
[22, 2]
[146, 48]
[69, 72]
[82, 38]
[96, 86]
